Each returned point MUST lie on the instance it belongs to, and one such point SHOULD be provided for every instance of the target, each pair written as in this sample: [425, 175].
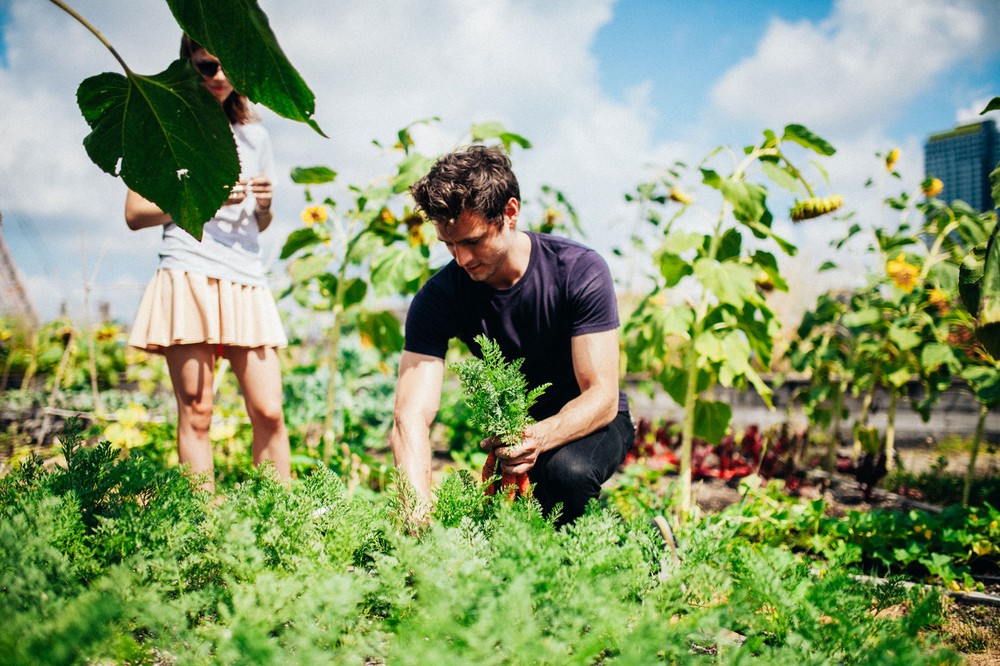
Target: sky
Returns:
[607, 92]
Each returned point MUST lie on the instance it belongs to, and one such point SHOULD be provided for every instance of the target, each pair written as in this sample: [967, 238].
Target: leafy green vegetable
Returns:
[496, 391]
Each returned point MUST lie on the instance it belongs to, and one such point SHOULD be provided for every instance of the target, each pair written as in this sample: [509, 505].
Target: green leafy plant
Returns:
[498, 397]
[164, 134]
[722, 330]
[497, 392]
[111, 560]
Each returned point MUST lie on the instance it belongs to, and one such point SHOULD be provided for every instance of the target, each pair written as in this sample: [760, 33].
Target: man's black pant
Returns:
[573, 473]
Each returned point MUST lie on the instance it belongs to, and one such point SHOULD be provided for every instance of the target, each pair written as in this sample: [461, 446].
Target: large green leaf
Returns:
[711, 420]
[769, 265]
[988, 328]
[316, 175]
[238, 33]
[995, 182]
[397, 270]
[903, 337]
[936, 354]
[306, 268]
[985, 381]
[804, 137]
[166, 136]
[382, 329]
[679, 242]
[762, 231]
[781, 176]
[970, 274]
[354, 292]
[862, 318]
[730, 282]
[411, 169]
[672, 268]
[747, 199]
[495, 130]
[298, 239]
[994, 105]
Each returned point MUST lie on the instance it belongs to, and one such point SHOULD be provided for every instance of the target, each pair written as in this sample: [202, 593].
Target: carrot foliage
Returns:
[496, 392]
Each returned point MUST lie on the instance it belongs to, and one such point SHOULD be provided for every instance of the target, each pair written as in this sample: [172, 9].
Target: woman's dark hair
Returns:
[478, 178]
[236, 106]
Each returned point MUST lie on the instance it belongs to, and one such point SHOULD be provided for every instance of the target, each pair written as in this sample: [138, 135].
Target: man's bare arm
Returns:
[595, 363]
[418, 397]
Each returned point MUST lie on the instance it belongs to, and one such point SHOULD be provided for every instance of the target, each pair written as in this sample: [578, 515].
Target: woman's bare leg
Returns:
[258, 371]
[192, 369]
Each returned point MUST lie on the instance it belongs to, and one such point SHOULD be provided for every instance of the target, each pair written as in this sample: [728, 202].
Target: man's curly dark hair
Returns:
[478, 178]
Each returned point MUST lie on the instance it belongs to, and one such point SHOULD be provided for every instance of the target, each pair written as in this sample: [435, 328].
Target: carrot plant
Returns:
[110, 559]
[498, 396]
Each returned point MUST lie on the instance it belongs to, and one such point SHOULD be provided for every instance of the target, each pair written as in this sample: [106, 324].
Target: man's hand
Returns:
[520, 458]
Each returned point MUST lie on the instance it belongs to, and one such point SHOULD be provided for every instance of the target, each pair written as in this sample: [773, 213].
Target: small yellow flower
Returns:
[106, 333]
[932, 187]
[982, 548]
[940, 300]
[680, 196]
[903, 274]
[313, 214]
[927, 534]
[891, 159]
[416, 235]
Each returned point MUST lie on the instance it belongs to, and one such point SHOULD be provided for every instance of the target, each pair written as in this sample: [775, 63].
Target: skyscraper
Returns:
[963, 159]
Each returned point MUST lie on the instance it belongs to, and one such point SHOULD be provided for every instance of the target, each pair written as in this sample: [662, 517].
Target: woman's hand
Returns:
[237, 193]
[260, 185]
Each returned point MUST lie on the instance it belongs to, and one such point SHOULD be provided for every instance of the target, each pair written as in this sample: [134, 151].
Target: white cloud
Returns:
[374, 67]
[379, 65]
[973, 113]
[858, 67]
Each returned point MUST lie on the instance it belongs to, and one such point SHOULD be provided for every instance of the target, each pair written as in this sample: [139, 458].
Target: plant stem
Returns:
[691, 389]
[330, 431]
[974, 453]
[830, 460]
[866, 406]
[890, 431]
[86, 24]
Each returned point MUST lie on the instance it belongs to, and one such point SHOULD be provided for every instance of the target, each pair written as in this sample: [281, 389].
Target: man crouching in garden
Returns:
[543, 298]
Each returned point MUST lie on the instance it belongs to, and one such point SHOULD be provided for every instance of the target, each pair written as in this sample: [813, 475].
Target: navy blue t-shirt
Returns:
[566, 291]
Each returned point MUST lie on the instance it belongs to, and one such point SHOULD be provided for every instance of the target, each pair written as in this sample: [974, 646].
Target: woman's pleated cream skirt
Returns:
[182, 308]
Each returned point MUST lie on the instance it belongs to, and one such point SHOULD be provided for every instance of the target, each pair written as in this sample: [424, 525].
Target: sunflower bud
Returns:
[680, 196]
[932, 187]
[816, 206]
[891, 159]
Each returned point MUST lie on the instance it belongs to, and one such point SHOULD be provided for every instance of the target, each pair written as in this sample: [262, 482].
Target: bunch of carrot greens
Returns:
[497, 393]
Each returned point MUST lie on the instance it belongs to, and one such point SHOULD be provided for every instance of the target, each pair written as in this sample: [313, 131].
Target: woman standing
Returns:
[210, 299]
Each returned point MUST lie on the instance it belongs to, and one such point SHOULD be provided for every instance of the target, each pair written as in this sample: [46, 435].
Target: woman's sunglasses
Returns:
[207, 68]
